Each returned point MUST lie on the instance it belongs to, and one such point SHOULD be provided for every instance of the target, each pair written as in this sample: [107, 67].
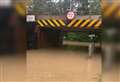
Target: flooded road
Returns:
[55, 65]
[12, 68]
[62, 66]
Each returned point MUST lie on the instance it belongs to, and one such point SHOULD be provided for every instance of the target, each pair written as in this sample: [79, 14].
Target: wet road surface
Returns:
[54, 66]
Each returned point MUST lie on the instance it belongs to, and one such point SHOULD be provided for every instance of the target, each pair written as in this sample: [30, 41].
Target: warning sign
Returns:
[30, 18]
[70, 15]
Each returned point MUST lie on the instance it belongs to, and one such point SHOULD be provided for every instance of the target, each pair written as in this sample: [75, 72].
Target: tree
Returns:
[60, 7]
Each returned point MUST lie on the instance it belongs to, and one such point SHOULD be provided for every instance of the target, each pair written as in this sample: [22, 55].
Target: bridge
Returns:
[22, 41]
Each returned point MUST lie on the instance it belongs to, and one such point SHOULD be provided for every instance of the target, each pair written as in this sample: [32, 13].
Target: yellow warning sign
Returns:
[51, 23]
[75, 23]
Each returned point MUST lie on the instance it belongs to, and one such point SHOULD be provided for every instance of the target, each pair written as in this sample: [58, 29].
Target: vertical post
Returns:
[91, 45]
[109, 49]
[70, 5]
[91, 49]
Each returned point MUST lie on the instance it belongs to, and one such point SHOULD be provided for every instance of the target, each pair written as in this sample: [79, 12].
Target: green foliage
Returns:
[43, 7]
[80, 36]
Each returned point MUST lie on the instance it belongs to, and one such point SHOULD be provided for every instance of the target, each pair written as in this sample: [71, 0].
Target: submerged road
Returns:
[62, 66]
[54, 65]
[50, 65]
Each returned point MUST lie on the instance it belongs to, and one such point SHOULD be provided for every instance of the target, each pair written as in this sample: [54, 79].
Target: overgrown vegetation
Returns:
[60, 7]
[81, 36]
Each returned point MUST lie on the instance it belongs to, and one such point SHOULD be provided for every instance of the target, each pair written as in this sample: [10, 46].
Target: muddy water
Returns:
[12, 68]
[62, 66]
[55, 65]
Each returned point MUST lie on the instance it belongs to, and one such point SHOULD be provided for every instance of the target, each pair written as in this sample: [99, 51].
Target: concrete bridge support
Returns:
[12, 33]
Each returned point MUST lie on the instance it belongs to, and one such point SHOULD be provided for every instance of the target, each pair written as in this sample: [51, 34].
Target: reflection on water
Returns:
[79, 48]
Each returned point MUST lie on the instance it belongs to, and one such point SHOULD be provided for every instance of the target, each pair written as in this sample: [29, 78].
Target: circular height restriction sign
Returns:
[70, 15]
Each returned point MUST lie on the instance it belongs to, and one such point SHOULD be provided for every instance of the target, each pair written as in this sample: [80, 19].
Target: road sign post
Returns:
[91, 45]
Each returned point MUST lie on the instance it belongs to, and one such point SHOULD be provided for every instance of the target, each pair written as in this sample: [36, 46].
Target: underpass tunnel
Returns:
[16, 36]
[59, 38]
[58, 63]
[47, 37]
